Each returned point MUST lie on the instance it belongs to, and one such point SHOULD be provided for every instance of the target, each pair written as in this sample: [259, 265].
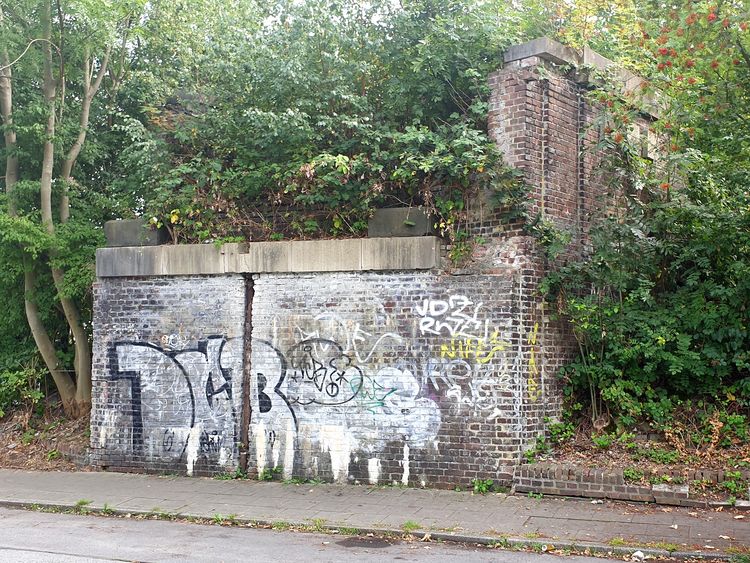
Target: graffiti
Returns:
[478, 387]
[315, 391]
[535, 393]
[211, 443]
[182, 403]
[174, 341]
[358, 343]
[456, 317]
[321, 373]
[474, 348]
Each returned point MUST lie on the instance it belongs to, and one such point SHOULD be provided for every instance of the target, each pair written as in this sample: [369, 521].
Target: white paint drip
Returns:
[405, 477]
[289, 454]
[373, 470]
[334, 439]
[108, 424]
[224, 454]
[259, 434]
[193, 444]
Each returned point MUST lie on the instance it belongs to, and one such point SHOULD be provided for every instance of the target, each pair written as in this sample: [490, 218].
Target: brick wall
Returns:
[397, 377]
[167, 365]
[418, 377]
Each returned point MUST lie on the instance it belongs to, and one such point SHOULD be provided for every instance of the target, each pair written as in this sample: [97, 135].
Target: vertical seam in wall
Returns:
[580, 165]
[545, 142]
[247, 339]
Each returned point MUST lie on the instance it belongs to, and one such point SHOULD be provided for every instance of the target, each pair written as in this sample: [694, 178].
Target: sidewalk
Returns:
[445, 514]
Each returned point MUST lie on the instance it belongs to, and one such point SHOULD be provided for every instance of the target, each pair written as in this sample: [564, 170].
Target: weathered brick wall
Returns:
[394, 377]
[411, 376]
[167, 365]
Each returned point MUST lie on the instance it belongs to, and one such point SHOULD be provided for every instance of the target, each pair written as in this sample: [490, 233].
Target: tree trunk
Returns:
[63, 381]
[9, 134]
[76, 404]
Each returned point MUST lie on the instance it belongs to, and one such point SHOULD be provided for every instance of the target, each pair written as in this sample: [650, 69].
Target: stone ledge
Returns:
[340, 255]
[546, 49]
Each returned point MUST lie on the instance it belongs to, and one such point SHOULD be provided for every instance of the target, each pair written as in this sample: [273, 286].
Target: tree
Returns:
[67, 51]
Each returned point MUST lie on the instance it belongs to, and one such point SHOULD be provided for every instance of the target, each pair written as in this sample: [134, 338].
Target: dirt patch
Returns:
[49, 442]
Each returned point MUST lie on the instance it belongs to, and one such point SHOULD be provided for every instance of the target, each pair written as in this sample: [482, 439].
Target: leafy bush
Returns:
[19, 388]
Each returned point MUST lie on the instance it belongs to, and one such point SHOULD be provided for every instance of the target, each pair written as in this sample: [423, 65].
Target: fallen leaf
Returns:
[673, 526]
[725, 537]
[739, 517]
[426, 537]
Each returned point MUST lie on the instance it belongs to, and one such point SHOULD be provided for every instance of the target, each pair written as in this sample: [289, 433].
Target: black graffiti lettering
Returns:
[168, 440]
[160, 377]
[211, 442]
[264, 401]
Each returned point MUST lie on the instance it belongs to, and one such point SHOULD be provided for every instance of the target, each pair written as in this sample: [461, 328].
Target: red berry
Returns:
[663, 50]
[690, 63]
[664, 185]
[712, 17]
[714, 64]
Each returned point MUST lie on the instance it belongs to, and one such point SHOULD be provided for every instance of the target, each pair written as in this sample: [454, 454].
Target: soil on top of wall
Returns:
[50, 442]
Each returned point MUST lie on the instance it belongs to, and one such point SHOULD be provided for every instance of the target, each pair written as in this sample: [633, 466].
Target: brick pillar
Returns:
[541, 119]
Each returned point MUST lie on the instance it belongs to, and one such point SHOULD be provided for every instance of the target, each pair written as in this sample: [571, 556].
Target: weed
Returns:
[28, 436]
[53, 454]
[501, 542]
[220, 519]
[482, 486]
[269, 473]
[106, 510]
[617, 542]
[559, 432]
[281, 525]
[657, 455]
[318, 524]
[349, 531]
[238, 474]
[603, 441]
[81, 506]
[537, 496]
[410, 526]
[734, 483]
[541, 447]
[666, 546]
[632, 474]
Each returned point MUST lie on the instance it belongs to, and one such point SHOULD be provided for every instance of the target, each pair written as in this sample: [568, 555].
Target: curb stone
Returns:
[499, 540]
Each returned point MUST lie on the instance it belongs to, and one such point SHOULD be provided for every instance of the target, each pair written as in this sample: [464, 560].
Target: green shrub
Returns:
[19, 388]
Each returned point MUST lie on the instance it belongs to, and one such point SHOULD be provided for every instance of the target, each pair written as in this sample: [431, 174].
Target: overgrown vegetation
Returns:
[659, 306]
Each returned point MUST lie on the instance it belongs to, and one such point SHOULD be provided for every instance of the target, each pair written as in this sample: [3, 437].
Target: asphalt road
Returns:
[63, 538]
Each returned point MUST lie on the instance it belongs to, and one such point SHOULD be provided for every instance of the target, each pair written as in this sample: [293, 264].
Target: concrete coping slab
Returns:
[546, 49]
[345, 255]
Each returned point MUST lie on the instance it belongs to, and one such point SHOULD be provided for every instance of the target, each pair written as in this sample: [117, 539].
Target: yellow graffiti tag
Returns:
[534, 392]
[473, 348]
